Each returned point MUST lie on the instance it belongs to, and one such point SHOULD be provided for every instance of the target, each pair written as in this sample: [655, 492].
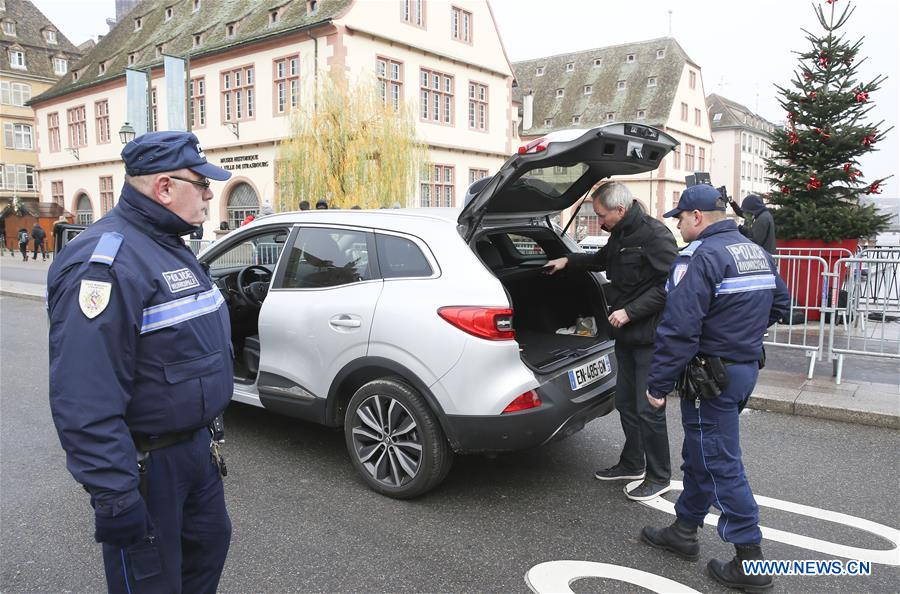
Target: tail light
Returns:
[535, 146]
[491, 323]
[529, 399]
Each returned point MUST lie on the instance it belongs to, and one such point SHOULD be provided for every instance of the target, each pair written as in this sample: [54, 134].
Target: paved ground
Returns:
[304, 523]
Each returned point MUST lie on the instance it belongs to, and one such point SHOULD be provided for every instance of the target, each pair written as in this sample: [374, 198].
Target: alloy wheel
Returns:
[386, 440]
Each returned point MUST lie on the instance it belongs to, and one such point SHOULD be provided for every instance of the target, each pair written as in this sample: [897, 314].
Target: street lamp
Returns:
[126, 133]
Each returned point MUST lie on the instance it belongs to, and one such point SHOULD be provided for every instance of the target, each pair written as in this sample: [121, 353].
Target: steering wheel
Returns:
[254, 292]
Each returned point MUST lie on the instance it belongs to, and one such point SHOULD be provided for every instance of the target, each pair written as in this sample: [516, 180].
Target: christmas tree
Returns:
[815, 157]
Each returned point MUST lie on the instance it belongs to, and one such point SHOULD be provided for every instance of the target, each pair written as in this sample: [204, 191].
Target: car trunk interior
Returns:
[543, 304]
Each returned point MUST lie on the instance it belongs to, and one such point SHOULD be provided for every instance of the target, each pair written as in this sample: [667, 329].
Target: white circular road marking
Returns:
[557, 576]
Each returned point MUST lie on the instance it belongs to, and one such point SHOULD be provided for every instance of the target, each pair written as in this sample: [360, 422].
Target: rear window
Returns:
[399, 257]
[526, 246]
[551, 181]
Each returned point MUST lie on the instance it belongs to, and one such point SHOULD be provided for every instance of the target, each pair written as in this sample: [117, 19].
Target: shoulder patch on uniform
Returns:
[749, 258]
[94, 297]
[678, 273]
[691, 247]
[107, 248]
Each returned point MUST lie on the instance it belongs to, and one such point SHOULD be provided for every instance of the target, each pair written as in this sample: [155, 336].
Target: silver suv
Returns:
[426, 333]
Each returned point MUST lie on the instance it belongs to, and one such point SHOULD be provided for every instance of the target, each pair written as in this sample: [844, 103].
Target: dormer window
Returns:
[9, 28]
[196, 6]
[620, 85]
[570, 67]
[2, 4]
[588, 89]
[539, 71]
[641, 114]
[560, 93]
[576, 119]
[651, 81]
[50, 36]
[159, 51]
[75, 75]
[273, 17]
[132, 59]
[548, 122]
[198, 39]
[312, 6]
[598, 62]
[230, 30]
[60, 66]
[660, 54]
[17, 58]
[138, 23]
[101, 68]
[169, 12]
[610, 116]
[629, 58]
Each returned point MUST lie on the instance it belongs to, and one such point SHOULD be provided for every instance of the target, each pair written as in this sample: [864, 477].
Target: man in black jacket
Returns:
[637, 260]
[761, 230]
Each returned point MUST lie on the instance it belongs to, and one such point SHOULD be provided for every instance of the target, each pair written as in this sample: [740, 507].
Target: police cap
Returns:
[701, 197]
[156, 152]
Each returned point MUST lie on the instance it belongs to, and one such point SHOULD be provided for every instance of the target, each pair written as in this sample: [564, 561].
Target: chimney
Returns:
[110, 23]
[527, 110]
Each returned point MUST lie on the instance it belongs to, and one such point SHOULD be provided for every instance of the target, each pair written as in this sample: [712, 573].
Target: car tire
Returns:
[394, 440]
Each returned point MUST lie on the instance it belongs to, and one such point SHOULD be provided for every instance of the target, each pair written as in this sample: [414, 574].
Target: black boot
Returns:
[679, 538]
[731, 573]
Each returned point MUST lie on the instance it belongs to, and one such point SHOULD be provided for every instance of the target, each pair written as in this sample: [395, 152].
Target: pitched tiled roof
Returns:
[30, 25]
[176, 35]
[604, 98]
[725, 113]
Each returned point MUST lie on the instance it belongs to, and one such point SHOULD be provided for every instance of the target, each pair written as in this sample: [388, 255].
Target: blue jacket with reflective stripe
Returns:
[723, 292]
[140, 342]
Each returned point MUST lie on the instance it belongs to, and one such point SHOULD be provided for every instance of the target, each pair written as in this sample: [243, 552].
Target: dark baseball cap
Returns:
[156, 152]
[700, 197]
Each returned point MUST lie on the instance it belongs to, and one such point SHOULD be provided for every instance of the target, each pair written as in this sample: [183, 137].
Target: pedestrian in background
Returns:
[140, 368]
[23, 243]
[761, 229]
[38, 235]
[723, 293]
[321, 205]
[637, 260]
[304, 205]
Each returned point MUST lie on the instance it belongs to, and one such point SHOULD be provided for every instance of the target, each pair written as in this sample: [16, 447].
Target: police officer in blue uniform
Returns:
[140, 367]
[723, 292]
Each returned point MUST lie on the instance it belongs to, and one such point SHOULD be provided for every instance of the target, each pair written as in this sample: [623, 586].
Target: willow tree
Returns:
[351, 148]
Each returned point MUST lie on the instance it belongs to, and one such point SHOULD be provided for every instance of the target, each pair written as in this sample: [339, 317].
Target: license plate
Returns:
[589, 372]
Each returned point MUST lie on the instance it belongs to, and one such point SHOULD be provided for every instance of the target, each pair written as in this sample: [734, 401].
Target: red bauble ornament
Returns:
[814, 183]
[862, 96]
[869, 139]
[785, 190]
[824, 60]
[851, 172]
[875, 188]
[813, 95]
[822, 133]
[830, 1]
[793, 138]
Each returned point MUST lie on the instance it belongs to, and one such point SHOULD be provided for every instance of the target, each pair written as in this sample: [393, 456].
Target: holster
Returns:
[704, 377]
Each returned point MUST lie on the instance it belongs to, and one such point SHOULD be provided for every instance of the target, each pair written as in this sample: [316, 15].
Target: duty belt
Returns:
[148, 443]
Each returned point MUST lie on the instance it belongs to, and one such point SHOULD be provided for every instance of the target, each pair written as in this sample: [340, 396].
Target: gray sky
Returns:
[743, 47]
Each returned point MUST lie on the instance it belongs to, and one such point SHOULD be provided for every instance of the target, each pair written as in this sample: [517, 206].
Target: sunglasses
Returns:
[200, 183]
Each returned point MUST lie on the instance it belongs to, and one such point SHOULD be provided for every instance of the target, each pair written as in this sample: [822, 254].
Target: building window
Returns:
[461, 25]
[588, 89]
[132, 58]
[242, 201]
[159, 51]
[84, 211]
[576, 119]
[717, 116]
[478, 107]
[14, 93]
[539, 71]
[610, 116]
[598, 62]
[18, 177]
[138, 24]
[437, 186]
[198, 40]
[413, 12]
[620, 85]
[53, 131]
[238, 94]
[676, 158]
[286, 77]
[651, 81]
[56, 192]
[548, 122]
[641, 114]
[273, 17]
[684, 112]
[689, 157]
[436, 91]
[660, 54]
[50, 36]
[312, 6]
[17, 59]
[152, 113]
[101, 116]
[476, 174]
[60, 66]
[101, 68]
[106, 194]
[77, 126]
[692, 77]
[168, 18]
[701, 159]
[560, 93]
[675, 197]
[697, 117]
[9, 28]
[570, 67]
[196, 6]
[390, 80]
[18, 136]
[197, 88]
[629, 58]
[230, 30]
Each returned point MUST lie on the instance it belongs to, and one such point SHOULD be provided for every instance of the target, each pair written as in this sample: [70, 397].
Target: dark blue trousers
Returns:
[191, 527]
[713, 471]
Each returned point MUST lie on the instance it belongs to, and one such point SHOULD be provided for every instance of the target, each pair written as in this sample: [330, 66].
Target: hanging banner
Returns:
[136, 97]
[175, 98]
